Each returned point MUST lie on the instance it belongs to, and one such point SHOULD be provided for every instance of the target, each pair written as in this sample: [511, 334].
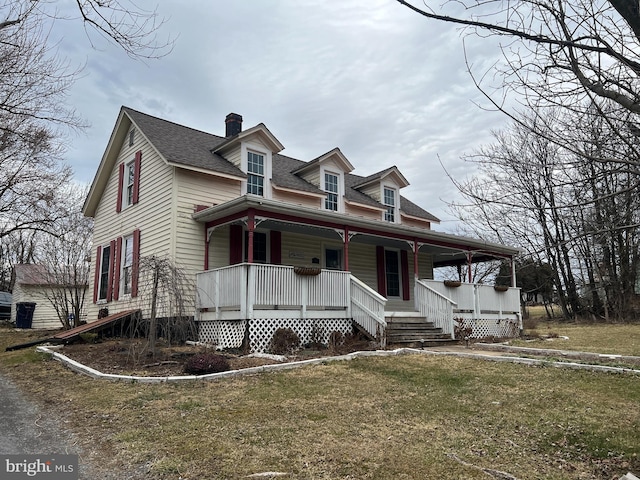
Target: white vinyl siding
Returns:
[152, 215]
[298, 199]
[197, 189]
[313, 177]
[373, 191]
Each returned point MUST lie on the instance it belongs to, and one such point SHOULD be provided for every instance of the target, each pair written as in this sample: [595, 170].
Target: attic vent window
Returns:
[131, 137]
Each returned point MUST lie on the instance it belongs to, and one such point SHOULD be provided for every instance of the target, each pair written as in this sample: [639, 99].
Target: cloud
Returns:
[376, 80]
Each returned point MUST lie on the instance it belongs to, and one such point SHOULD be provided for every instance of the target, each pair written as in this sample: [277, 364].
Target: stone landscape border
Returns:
[85, 370]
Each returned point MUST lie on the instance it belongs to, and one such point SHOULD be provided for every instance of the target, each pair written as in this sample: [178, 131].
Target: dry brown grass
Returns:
[618, 339]
[378, 418]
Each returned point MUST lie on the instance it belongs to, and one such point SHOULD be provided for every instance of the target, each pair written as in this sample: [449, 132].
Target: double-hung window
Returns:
[255, 174]
[127, 265]
[331, 187]
[390, 203]
[105, 264]
[130, 176]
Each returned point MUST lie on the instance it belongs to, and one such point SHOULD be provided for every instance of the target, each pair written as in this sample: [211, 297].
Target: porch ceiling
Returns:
[446, 249]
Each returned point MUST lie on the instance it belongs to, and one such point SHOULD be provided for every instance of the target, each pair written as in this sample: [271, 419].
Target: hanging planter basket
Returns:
[452, 283]
[308, 271]
[500, 288]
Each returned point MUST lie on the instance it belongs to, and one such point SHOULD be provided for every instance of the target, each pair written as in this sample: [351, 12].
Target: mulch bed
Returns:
[131, 357]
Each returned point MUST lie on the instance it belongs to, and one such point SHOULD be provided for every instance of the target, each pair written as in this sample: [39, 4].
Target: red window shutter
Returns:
[136, 179]
[116, 277]
[120, 185]
[235, 244]
[381, 272]
[112, 267]
[276, 247]
[404, 271]
[135, 267]
[96, 274]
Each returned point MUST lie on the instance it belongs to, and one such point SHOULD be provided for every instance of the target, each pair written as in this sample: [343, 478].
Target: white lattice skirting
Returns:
[229, 333]
[483, 327]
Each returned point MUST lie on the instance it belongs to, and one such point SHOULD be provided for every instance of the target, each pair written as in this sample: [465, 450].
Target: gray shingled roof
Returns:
[186, 146]
[183, 145]
[373, 177]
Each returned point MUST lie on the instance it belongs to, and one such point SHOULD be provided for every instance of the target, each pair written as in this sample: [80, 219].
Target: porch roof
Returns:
[446, 249]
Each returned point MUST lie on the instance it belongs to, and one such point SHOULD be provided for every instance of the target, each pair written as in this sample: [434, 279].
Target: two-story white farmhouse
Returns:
[272, 241]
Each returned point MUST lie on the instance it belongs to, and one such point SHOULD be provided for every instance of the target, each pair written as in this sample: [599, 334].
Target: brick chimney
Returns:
[233, 124]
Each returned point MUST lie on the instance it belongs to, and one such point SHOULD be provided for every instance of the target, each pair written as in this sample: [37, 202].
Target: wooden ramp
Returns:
[67, 336]
[96, 326]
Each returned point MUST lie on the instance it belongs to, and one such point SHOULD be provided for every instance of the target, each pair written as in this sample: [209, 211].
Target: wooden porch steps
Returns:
[413, 329]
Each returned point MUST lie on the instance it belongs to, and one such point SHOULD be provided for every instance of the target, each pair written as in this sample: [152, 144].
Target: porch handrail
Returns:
[244, 287]
[435, 306]
[367, 309]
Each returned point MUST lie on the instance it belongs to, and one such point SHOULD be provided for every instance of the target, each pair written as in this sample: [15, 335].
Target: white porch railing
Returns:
[240, 291]
[489, 311]
[435, 306]
[367, 309]
[246, 287]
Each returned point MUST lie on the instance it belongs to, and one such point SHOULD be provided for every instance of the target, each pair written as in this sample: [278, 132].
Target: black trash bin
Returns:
[24, 314]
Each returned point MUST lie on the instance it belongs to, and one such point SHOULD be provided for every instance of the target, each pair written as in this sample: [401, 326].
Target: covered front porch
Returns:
[250, 302]
[270, 265]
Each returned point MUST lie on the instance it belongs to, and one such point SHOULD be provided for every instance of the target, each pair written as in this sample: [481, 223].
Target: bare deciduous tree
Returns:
[564, 209]
[164, 292]
[577, 47]
[65, 254]
[34, 115]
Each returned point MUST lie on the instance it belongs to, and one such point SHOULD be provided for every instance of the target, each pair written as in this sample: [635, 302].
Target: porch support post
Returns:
[469, 270]
[206, 248]
[415, 259]
[251, 224]
[346, 249]
[513, 272]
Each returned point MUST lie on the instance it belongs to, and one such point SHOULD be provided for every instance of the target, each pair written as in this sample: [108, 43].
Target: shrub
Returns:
[336, 340]
[284, 341]
[316, 337]
[530, 323]
[462, 331]
[205, 363]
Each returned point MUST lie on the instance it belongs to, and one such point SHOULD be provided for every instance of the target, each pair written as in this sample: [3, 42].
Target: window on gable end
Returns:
[255, 174]
[131, 137]
[130, 178]
[332, 189]
[129, 182]
[390, 203]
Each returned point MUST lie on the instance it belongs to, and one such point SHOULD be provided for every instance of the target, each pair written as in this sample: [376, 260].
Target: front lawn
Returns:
[407, 417]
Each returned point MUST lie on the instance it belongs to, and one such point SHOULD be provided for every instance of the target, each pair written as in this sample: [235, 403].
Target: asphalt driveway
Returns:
[27, 429]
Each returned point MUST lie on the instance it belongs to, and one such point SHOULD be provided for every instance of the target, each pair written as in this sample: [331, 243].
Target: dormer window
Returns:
[255, 174]
[332, 189]
[390, 203]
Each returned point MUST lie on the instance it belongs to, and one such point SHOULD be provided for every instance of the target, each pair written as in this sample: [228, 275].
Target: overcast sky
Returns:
[385, 85]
